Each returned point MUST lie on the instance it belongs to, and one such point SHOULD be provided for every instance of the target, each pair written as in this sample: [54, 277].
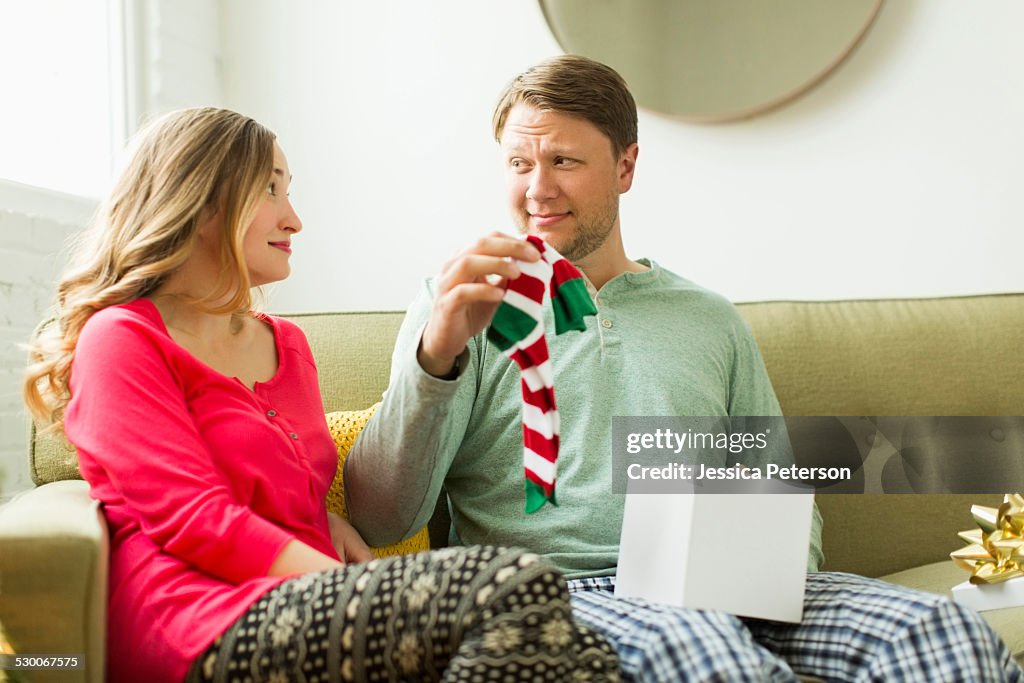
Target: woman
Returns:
[199, 425]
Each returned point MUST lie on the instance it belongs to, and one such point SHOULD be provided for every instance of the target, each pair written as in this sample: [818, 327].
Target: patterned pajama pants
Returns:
[854, 629]
[456, 614]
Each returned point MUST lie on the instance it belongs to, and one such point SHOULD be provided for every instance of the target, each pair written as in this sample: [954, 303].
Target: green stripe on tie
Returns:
[535, 497]
[570, 303]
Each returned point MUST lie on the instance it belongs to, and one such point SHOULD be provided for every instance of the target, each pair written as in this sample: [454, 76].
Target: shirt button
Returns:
[293, 435]
[606, 323]
[271, 413]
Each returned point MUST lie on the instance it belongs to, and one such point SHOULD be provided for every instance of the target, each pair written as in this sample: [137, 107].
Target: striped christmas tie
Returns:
[518, 330]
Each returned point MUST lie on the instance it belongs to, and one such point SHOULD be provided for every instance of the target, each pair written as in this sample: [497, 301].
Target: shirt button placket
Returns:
[291, 435]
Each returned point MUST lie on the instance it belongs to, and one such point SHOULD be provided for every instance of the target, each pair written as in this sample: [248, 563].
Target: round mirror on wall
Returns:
[713, 60]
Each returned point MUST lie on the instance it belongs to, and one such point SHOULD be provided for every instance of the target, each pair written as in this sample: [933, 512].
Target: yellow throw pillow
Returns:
[345, 426]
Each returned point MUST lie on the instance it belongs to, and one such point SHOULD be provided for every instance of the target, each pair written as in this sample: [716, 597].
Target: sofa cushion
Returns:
[940, 577]
[939, 356]
[352, 350]
[345, 426]
[50, 457]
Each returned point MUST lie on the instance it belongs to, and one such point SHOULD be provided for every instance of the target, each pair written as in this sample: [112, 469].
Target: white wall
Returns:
[34, 225]
[172, 56]
[384, 110]
[899, 176]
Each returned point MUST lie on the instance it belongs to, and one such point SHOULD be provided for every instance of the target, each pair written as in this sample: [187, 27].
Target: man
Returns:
[659, 345]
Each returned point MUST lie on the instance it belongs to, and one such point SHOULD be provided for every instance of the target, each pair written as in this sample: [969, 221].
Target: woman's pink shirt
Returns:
[203, 481]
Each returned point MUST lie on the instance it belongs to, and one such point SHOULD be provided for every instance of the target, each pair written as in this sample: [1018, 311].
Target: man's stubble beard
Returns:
[591, 232]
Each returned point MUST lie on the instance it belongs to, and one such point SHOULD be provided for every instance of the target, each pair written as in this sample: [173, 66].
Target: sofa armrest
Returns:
[53, 577]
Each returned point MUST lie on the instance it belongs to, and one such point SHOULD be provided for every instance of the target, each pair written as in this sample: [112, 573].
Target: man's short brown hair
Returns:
[577, 86]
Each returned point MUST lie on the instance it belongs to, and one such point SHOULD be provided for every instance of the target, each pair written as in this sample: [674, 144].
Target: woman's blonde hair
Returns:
[185, 166]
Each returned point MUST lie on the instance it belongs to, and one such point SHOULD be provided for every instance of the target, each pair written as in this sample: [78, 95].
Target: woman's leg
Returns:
[458, 614]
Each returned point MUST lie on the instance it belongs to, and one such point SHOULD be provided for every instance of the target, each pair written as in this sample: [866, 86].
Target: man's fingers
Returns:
[470, 293]
[502, 245]
[493, 255]
[475, 268]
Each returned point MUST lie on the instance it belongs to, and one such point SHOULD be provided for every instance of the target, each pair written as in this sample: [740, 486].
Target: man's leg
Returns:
[859, 629]
[658, 643]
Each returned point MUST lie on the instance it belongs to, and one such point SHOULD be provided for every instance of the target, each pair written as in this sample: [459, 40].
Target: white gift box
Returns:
[745, 554]
[990, 596]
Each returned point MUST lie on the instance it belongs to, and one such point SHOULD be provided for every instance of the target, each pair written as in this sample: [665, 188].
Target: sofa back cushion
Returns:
[941, 356]
[352, 353]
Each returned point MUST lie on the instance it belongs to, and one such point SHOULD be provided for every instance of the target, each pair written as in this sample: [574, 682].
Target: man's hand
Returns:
[469, 289]
[347, 541]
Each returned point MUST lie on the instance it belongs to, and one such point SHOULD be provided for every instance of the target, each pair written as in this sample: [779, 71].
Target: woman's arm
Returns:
[299, 558]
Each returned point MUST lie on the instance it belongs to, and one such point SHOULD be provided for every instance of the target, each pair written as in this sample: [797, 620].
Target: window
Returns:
[63, 95]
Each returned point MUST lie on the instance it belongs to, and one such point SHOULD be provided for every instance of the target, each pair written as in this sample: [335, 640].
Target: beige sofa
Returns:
[944, 356]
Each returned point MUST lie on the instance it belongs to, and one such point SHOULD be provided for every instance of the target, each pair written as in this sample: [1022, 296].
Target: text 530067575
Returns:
[26, 662]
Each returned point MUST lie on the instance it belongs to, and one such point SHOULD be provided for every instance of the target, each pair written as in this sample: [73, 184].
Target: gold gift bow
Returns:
[996, 550]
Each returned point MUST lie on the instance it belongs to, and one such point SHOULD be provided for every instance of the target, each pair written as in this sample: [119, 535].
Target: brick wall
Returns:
[34, 225]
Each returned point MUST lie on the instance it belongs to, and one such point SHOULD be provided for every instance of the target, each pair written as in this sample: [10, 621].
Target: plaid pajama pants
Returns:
[853, 629]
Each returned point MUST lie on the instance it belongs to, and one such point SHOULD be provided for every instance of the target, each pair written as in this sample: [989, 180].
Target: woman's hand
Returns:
[347, 541]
